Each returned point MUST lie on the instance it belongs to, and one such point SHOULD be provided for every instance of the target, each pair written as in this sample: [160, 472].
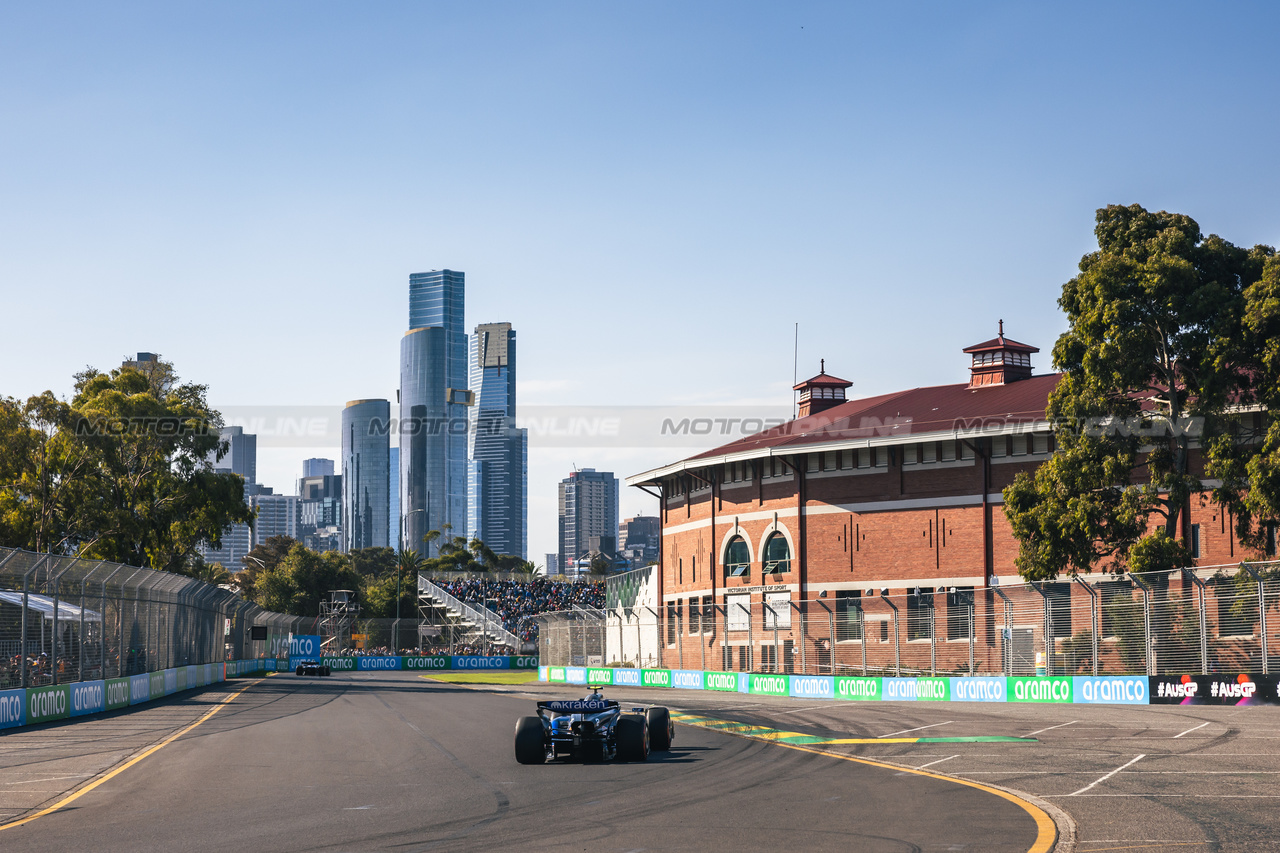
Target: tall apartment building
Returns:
[241, 458]
[433, 407]
[365, 473]
[588, 506]
[320, 506]
[638, 539]
[317, 467]
[498, 452]
[277, 515]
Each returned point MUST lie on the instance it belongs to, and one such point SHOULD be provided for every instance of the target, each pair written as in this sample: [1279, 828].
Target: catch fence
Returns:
[65, 619]
[1215, 619]
[405, 636]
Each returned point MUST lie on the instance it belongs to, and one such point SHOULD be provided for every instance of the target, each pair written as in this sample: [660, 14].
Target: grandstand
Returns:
[503, 609]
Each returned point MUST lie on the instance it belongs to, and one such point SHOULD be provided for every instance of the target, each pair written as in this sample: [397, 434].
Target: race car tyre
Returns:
[660, 732]
[529, 746]
[299, 670]
[633, 740]
[324, 671]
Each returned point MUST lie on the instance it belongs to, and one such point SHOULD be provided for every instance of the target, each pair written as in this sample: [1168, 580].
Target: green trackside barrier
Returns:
[858, 688]
[655, 677]
[556, 674]
[1040, 689]
[45, 704]
[157, 684]
[769, 685]
[723, 681]
[601, 676]
[339, 664]
[117, 693]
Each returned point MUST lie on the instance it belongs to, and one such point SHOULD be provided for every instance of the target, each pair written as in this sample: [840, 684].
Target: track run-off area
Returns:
[396, 761]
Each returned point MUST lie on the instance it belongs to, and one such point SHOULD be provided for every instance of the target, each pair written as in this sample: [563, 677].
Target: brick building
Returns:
[863, 501]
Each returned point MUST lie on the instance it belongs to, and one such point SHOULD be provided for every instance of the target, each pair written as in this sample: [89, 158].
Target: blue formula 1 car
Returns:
[592, 729]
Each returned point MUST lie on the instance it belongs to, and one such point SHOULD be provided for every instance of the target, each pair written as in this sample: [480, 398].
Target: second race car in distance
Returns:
[310, 667]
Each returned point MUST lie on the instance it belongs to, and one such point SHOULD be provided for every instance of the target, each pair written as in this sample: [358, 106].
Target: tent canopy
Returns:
[44, 604]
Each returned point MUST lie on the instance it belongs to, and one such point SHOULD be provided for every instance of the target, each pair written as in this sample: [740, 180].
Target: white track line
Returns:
[939, 761]
[1189, 731]
[918, 728]
[1051, 728]
[1108, 776]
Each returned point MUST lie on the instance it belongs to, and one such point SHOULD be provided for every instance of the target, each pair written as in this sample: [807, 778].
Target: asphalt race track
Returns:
[391, 761]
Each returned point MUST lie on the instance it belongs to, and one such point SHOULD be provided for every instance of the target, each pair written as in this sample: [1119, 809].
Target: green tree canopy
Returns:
[119, 473]
[373, 562]
[1155, 362]
[298, 583]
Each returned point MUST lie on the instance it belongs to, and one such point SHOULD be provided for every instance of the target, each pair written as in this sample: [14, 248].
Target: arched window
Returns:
[737, 558]
[777, 555]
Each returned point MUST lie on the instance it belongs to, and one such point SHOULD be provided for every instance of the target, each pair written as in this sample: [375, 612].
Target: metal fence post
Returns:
[933, 636]
[1148, 641]
[1262, 615]
[680, 629]
[804, 633]
[702, 637]
[972, 630]
[862, 632]
[1093, 618]
[897, 645]
[1047, 627]
[26, 598]
[1204, 624]
[1006, 652]
[84, 582]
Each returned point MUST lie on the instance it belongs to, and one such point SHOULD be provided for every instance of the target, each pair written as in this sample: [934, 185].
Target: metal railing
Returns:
[64, 619]
[485, 621]
[1214, 619]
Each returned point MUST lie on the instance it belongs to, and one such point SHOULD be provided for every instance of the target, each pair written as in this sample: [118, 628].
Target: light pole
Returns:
[263, 567]
[400, 570]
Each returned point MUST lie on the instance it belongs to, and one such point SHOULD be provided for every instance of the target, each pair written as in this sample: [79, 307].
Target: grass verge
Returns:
[490, 677]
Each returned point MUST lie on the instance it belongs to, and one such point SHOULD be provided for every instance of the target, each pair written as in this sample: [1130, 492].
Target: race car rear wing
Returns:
[578, 706]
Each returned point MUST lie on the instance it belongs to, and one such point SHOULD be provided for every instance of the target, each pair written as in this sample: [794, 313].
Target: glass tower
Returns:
[498, 452]
[433, 409]
[365, 471]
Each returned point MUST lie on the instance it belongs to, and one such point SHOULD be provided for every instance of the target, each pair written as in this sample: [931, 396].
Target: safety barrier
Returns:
[437, 663]
[1186, 689]
[33, 705]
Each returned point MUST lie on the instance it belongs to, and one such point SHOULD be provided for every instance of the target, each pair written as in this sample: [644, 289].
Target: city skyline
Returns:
[875, 173]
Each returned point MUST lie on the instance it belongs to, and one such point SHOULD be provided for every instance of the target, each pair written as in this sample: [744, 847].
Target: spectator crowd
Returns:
[517, 603]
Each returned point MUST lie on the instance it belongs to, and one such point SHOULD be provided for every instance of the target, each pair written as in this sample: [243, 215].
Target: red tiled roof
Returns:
[823, 379]
[1001, 342]
[940, 408]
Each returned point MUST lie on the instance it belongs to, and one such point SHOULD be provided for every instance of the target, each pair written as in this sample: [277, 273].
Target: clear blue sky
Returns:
[653, 193]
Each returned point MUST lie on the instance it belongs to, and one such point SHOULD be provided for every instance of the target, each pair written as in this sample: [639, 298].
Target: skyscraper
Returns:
[433, 408]
[317, 467]
[588, 505]
[241, 456]
[277, 515]
[498, 468]
[365, 471]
